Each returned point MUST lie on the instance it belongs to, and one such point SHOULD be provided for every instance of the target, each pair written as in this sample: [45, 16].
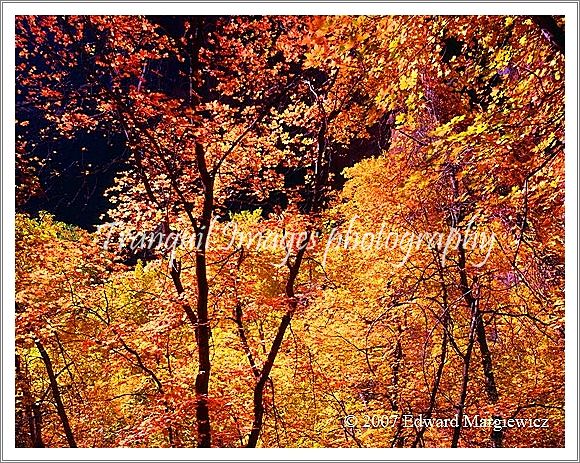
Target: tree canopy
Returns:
[308, 219]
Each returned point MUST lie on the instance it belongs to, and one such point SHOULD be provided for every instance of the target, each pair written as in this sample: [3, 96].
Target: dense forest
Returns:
[289, 231]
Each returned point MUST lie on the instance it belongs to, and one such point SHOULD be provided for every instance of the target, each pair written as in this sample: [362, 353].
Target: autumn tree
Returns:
[478, 130]
[203, 112]
[268, 323]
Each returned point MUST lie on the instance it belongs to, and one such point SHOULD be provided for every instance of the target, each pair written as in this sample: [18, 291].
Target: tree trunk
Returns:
[472, 302]
[36, 427]
[477, 325]
[56, 394]
[28, 423]
[259, 388]
[286, 319]
[204, 330]
[464, 383]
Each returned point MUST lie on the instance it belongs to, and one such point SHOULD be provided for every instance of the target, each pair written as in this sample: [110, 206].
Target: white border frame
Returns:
[10, 9]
